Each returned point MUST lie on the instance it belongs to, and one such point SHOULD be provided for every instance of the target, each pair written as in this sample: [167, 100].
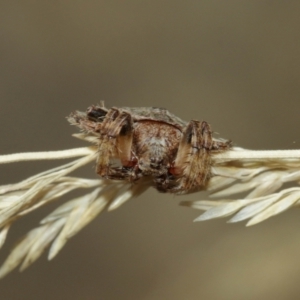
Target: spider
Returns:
[151, 142]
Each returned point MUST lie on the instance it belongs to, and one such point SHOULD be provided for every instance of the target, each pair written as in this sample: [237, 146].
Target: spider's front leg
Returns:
[192, 165]
[116, 132]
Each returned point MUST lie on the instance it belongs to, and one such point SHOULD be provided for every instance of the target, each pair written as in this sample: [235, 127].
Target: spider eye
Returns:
[96, 113]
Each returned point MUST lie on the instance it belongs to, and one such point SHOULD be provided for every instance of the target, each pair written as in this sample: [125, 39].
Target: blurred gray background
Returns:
[234, 64]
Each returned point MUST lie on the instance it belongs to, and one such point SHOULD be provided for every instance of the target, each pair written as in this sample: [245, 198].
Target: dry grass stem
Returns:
[258, 174]
[62, 154]
[22, 198]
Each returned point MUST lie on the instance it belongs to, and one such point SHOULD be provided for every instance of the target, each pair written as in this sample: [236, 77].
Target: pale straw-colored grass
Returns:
[23, 197]
[260, 174]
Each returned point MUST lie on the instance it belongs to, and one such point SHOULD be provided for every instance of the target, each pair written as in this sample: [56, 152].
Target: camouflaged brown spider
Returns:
[151, 142]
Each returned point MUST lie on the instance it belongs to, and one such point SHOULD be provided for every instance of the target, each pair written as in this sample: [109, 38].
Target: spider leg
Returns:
[89, 121]
[85, 124]
[193, 161]
[96, 113]
[116, 132]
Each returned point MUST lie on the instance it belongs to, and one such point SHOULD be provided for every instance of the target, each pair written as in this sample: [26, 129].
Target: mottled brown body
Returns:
[156, 145]
[151, 142]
